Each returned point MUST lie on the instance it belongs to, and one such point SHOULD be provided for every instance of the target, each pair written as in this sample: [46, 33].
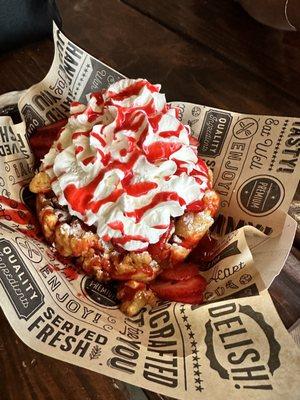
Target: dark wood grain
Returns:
[208, 52]
[223, 28]
[138, 45]
[285, 290]
[25, 66]
[28, 375]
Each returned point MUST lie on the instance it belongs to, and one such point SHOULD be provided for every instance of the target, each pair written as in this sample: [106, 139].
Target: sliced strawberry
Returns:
[53, 129]
[41, 140]
[181, 272]
[193, 299]
[175, 291]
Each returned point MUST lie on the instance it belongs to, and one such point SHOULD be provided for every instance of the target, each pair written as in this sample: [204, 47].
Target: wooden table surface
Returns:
[208, 52]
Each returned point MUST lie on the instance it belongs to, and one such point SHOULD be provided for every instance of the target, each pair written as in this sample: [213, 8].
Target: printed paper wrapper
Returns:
[236, 345]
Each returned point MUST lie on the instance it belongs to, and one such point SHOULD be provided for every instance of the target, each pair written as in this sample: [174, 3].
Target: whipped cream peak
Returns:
[126, 164]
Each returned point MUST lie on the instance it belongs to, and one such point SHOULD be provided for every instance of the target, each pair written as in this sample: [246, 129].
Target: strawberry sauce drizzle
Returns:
[157, 199]
[139, 120]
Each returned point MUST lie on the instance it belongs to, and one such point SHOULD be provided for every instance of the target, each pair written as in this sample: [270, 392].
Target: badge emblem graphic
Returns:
[260, 195]
[245, 128]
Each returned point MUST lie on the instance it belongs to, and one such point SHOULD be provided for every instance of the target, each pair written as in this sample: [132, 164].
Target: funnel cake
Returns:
[123, 193]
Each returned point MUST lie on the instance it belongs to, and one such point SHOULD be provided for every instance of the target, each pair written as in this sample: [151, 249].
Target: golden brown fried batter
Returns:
[40, 183]
[134, 296]
[72, 238]
[136, 266]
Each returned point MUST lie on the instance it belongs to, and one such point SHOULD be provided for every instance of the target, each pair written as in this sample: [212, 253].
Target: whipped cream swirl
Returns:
[126, 164]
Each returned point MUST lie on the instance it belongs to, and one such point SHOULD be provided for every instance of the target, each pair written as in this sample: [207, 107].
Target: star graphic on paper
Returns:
[188, 326]
[195, 358]
[182, 311]
[198, 380]
[197, 372]
[191, 335]
[185, 318]
[196, 365]
[199, 388]
[194, 343]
